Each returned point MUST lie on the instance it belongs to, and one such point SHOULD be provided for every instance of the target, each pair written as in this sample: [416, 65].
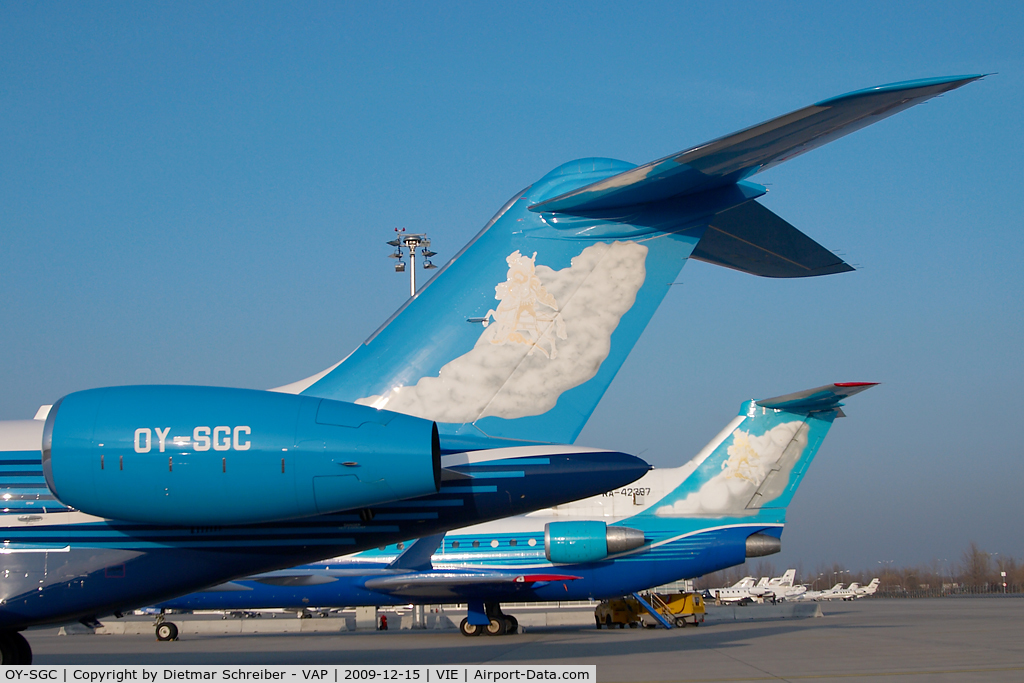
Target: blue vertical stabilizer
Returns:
[522, 332]
[754, 466]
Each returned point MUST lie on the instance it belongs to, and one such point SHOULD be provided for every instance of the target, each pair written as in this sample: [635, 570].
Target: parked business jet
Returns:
[779, 588]
[725, 505]
[143, 493]
[743, 591]
[828, 594]
[854, 591]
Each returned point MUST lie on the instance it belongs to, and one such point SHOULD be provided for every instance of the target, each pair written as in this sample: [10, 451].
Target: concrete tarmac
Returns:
[946, 639]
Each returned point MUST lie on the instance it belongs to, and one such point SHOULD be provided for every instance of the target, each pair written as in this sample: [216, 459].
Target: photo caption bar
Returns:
[149, 673]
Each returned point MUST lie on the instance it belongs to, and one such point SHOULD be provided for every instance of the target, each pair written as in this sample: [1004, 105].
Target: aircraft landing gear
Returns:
[490, 620]
[14, 649]
[165, 630]
[468, 629]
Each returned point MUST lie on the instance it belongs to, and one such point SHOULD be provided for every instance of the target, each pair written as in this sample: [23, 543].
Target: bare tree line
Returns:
[975, 571]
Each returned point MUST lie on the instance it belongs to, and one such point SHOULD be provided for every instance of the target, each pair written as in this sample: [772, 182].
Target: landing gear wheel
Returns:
[14, 649]
[497, 627]
[468, 629]
[511, 624]
[166, 631]
[24, 650]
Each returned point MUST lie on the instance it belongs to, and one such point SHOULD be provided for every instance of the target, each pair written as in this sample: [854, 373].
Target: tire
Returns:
[11, 648]
[24, 650]
[680, 622]
[597, 619]
[166, 631]
[497, 627]
[513, 624]
[608, 620]
[468, 629]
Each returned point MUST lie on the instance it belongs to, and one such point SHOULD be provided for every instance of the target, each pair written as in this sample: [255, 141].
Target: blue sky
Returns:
[200, 193]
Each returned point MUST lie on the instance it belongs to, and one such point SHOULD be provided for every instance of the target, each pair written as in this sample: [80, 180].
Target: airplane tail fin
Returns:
[756, 463]
[520, 334]
[788, 577]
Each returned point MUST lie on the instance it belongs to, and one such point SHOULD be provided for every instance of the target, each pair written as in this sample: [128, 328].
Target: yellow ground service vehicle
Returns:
[674, 609]
[680, 609]
[619, 611]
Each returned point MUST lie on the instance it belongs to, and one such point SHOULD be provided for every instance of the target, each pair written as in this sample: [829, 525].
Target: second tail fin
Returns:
[759, 463]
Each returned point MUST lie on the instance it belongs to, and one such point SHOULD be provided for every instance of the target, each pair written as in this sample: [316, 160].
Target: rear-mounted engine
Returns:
[587, 541]
[210, 456]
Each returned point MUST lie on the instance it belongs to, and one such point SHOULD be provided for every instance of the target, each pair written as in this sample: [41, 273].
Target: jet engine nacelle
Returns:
[587, 541]
[206, 456]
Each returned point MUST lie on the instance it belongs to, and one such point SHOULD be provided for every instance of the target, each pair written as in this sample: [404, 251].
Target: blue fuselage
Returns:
[61, 565]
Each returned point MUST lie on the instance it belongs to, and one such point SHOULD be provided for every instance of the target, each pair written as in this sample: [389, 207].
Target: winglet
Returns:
[417, 556]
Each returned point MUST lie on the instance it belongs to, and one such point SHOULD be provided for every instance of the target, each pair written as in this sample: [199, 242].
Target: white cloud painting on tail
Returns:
[551, 331]
[750, 460]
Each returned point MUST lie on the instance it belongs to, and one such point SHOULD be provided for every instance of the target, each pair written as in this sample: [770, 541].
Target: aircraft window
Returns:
[455, 544]
[494, 544]
[476, 544]
[532, 542]
[513, 542]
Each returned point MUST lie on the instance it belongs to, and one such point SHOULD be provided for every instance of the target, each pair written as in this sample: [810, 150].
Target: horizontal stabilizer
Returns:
[752, 239]
[820, 398]
[737, 156]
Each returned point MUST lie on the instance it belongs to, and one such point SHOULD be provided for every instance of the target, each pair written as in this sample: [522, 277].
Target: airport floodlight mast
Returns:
[412, 242]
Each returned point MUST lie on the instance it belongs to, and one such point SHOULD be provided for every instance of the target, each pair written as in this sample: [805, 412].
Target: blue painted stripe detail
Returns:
[448, 503]
[214, 544]
[30, 456]
[20, 464]
[20, 473]
[96, 533]
[398, 516]
[499, 475]
[470, 489]
[511, 462]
